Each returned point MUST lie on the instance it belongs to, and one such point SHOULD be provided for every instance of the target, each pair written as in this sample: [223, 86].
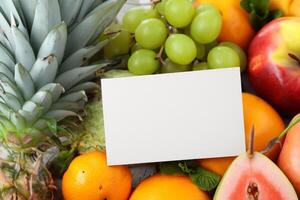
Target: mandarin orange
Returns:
[267, 124]
[89, 178]
[168, 187]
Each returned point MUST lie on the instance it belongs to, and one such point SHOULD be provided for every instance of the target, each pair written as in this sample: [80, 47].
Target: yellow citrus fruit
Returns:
[168, 187]
[89, 178]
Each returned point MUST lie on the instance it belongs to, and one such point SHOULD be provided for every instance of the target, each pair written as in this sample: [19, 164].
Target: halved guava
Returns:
[254, 178]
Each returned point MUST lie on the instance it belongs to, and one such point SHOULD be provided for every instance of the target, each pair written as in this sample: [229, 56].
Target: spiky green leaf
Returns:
[72, 77]
[44, 71]
[24, 81]
[55, 43]
[47, 15]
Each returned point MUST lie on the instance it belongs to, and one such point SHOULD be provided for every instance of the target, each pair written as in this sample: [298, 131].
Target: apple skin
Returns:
[273, 74]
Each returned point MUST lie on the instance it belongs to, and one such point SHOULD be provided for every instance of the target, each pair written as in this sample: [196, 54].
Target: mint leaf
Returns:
[256, 21]
[276, 14]
[178, 168]
[204, 179]
[170, 168]
[188, 167]
[260, 13]
[260, 7]
[245, 4]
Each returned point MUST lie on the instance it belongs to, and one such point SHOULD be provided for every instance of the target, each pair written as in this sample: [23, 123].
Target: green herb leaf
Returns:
[276, 14]
[188, 167]
[260, 7]
[260, 13]
[204, 179]
[256, 21]
[245, 4]
[170, 168]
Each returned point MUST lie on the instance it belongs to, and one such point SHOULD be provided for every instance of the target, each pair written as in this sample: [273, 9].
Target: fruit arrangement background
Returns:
[183, 44]
[51, 112]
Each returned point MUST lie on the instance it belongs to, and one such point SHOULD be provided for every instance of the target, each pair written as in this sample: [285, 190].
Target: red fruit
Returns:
[255, 178]
[289, 159]
[273, 67]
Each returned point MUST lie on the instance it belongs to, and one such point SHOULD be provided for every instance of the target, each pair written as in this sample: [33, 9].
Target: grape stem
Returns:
[152, 2]
[159, 55]
[155, 1]
[172, 29]
[112, 33]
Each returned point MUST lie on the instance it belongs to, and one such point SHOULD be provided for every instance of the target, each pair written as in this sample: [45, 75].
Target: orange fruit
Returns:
[267, 125]
[289, 7]
[236, 26]
[266, 121]
[168, 187]
[216, 165]
[294, 8]
[89, 178]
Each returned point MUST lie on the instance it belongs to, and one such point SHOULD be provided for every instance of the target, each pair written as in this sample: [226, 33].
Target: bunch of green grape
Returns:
[173, 36]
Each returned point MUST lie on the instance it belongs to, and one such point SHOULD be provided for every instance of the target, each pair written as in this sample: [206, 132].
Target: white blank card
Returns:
[178, 116]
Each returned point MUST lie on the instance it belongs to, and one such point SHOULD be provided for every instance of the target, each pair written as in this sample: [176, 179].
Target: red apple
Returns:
[274, 64]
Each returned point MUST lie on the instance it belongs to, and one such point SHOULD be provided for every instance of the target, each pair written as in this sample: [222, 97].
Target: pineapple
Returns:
[45, 46]
[92, 126]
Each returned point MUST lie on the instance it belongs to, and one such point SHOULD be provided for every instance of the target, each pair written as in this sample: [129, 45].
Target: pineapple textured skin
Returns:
[44, 77]
[92, 128]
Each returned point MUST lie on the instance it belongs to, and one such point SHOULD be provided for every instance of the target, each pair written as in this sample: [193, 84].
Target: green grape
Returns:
[200, 66]
[164, 20]
[119, 45]
[200, 51]
[102, 37]
[223, 57]
[135, 47]
[239, 51]
[180, 49]
[204, 7]
[134, 16]
[143, 62]
[206, 26]
[160, 7]
[209, 47]
[179, 13]
[187, 31]
[151, 33]
[117, 73]
[170, 67]
[113, 28]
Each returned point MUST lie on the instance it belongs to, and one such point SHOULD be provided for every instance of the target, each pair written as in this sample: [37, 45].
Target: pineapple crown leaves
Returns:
[44, 48]
[24, 175]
